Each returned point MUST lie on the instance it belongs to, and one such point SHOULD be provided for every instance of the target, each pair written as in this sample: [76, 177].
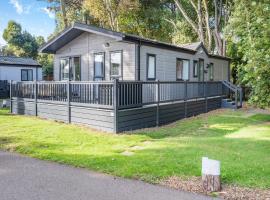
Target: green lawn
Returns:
[240, 140]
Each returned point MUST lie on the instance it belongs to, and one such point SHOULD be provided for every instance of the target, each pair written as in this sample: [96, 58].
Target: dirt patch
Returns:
[254, 110]
[127, 153]
[231, 192]
[137, 148]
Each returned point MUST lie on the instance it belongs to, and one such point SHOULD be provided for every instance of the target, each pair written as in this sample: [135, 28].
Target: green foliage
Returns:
[147, 20]
[248, 34]
[183, 33]
[20, 43]
[238, 140]
[44, 59]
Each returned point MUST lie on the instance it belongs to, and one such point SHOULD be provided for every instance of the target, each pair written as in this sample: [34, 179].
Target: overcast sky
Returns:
[33, 16]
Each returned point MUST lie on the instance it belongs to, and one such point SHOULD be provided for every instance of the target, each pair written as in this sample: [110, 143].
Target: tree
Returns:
[44, 59]
[207, 21]
[20, 43]
[141, 17]
[248, 36]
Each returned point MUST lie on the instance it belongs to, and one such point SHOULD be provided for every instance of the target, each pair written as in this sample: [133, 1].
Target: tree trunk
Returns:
[200, 25]
[208, 30]
[63, 9]
[211, 183]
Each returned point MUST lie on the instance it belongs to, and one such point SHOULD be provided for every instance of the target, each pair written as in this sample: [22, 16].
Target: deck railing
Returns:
[129, 93]
[138, 93]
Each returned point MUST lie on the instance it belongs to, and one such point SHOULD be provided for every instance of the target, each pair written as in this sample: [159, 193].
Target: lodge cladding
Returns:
[19, 69]
[119, 82]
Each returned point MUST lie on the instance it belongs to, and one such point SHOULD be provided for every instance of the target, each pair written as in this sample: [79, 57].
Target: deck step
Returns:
[228, 103]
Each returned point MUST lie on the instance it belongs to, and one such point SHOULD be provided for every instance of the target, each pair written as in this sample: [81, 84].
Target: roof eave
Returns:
[157, 44]
[78, 26]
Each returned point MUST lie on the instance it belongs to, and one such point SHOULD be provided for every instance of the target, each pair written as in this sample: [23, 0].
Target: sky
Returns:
[33, 16]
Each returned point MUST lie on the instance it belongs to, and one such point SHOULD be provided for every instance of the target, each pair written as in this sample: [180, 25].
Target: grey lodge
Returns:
[120, 82]
[93, 53]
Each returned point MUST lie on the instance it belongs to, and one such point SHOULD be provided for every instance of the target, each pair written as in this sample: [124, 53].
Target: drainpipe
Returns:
[139, 61]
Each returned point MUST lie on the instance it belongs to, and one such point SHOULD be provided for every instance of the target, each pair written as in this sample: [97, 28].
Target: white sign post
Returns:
[211, 175]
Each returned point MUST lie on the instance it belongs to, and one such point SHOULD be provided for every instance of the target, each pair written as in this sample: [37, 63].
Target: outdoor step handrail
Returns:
[237, 90]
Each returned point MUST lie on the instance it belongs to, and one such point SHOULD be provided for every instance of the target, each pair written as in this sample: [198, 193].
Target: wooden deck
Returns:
[116, 106]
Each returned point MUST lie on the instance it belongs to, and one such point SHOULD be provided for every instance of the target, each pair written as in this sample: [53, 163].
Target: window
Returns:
[99, 67]
[76, 69]
[211, 71]
[116, 64]
[195, 68]
[182, 69]
[201, 70]
[27, 75]
[151, 67]
[70, 68]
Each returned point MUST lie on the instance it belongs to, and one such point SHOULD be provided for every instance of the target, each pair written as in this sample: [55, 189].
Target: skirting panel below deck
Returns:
[143, 117]
[101, 119]
[127, 119]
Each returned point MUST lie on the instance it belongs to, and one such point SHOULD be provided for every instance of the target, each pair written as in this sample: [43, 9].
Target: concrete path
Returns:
[26, 178]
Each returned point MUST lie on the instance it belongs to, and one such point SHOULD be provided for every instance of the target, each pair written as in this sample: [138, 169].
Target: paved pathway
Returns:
[26, 178]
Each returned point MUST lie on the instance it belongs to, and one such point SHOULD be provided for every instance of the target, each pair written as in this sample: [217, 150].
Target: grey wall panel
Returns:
[52, 111]
[100, 125]
[131, 119]
[172, 112]
[128, 119]
[97, 118]
[23, 107]
[93, 111]
[213, 104]
[52, 116]
[195, 108]
[22, 111]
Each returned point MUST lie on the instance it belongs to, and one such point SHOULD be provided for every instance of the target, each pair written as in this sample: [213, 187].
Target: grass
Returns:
[240, 140]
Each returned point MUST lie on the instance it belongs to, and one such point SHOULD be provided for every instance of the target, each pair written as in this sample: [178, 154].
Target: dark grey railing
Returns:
[103, 94]
[93, 93]
[234, 92]
[4, 89]
[138, 93]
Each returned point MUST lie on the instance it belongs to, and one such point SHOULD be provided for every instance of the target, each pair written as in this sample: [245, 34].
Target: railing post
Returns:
[241, 96]
[35, 96]
[10, 94]
[115, 104]
[158, 101]
[68, 101]
[185, 98]
[205, 96]
[236, 98]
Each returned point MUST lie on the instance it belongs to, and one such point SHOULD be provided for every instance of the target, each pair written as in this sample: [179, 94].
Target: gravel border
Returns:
[232, 192]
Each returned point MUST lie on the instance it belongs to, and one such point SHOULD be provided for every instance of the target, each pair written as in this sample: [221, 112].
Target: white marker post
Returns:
[211, 175]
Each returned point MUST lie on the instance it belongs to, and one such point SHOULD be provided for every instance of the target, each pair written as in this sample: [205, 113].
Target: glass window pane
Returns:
[211, 71]
[151, 67]
[116, 63]
[179, 69]
[77, 68]
[99, 65]
[30, 74]
[24, 75]
[195, 68]
[185, 69]
[201, 70]
[64, 68]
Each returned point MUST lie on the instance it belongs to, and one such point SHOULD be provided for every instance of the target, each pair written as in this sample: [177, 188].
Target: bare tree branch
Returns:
[200, 24]
[189, 20]
[208, 30]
